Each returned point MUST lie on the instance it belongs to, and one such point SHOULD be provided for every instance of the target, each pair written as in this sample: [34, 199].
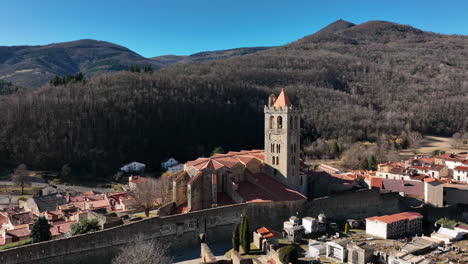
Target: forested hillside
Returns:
[34, 66]
[353, 82]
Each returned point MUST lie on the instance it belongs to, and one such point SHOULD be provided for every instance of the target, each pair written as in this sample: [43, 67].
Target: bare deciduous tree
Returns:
[457, 140]
[21, 177]
[143, 251]
[150, 193]
[414, 139]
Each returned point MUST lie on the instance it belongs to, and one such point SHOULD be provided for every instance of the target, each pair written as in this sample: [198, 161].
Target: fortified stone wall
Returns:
[183, 230]
[354, 204]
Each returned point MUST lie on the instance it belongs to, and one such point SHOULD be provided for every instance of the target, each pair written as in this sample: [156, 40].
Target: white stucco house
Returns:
[133, 167]
[169, 162]
[176, 167]
[460, 173]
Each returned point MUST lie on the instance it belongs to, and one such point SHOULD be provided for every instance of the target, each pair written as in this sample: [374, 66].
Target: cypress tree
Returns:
[245, 235]
[40, 230]
[235, 239]
[372, 163]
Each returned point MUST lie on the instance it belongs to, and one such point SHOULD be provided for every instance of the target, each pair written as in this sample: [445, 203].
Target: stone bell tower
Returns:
[282, 139]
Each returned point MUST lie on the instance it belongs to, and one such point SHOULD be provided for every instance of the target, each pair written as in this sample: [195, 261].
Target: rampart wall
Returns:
[183, 230]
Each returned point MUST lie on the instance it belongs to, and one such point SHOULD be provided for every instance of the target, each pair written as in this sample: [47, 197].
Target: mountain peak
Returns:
[336, 26]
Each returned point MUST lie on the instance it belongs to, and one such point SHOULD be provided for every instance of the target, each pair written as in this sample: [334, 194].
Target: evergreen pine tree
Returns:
[137, 69]
[372, 163]
[235, 239]
[364, 164]
[40, 230]
[335, 149]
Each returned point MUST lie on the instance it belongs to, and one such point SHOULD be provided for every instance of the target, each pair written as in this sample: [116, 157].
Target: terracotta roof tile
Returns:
[395, 217]
[282, 100]
[377, 182]
[461, 168]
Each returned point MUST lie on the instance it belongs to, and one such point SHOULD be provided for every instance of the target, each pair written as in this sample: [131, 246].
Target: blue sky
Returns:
[182, 27]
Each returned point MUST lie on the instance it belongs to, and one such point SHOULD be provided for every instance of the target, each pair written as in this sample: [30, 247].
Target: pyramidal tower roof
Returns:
[282, 100]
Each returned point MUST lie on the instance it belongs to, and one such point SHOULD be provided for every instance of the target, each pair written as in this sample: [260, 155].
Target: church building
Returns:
[272, 174]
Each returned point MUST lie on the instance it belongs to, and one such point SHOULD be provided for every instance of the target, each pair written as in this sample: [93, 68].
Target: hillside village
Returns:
[427, 186]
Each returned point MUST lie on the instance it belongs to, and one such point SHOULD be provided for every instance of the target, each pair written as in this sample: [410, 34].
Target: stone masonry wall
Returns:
[183, 230]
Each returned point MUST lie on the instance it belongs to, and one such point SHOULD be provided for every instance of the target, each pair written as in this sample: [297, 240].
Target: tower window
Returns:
[278, 148]
[279, 122]
[271, 121]
[273, 160]
[272, 149]
[291, 123]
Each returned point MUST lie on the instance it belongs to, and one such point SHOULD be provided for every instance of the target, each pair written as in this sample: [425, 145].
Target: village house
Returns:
[394, 226]
[175, 168]
[12, 218]
[41, 204]
[133, 181]
[460, 173]
[14, 235]
[451, 161]
[167, 163]
[134, 167]
[414, 189]
[434, 192]
[330, 169]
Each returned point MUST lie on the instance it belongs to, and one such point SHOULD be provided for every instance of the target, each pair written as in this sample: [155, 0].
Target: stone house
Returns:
[41, 204]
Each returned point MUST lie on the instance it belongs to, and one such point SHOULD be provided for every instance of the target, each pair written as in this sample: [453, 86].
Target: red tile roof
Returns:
[430, 179]
[20, 232]
[376, 182]
[266, 233]
[267, 189]
[282, 100]
[461, 168]
[228, 160]
[396, 217]
[60, 228]
[427, 160]
[413, 188]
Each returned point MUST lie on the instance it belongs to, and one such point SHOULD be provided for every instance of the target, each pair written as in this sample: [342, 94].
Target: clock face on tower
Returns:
[275, 137]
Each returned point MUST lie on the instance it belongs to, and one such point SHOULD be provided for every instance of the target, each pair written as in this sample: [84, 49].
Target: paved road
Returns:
[62, 187]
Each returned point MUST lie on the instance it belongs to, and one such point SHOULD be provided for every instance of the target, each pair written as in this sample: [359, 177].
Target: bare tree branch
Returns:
[141, 251]
[150, 193]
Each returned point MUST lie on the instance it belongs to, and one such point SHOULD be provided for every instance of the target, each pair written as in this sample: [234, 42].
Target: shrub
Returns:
[288, 254]
[40, 230]
[85, 226]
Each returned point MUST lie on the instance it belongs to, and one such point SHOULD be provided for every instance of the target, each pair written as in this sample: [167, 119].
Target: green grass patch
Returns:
[152, 213]
[16, 244]
[253, 253]
[16, 190]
